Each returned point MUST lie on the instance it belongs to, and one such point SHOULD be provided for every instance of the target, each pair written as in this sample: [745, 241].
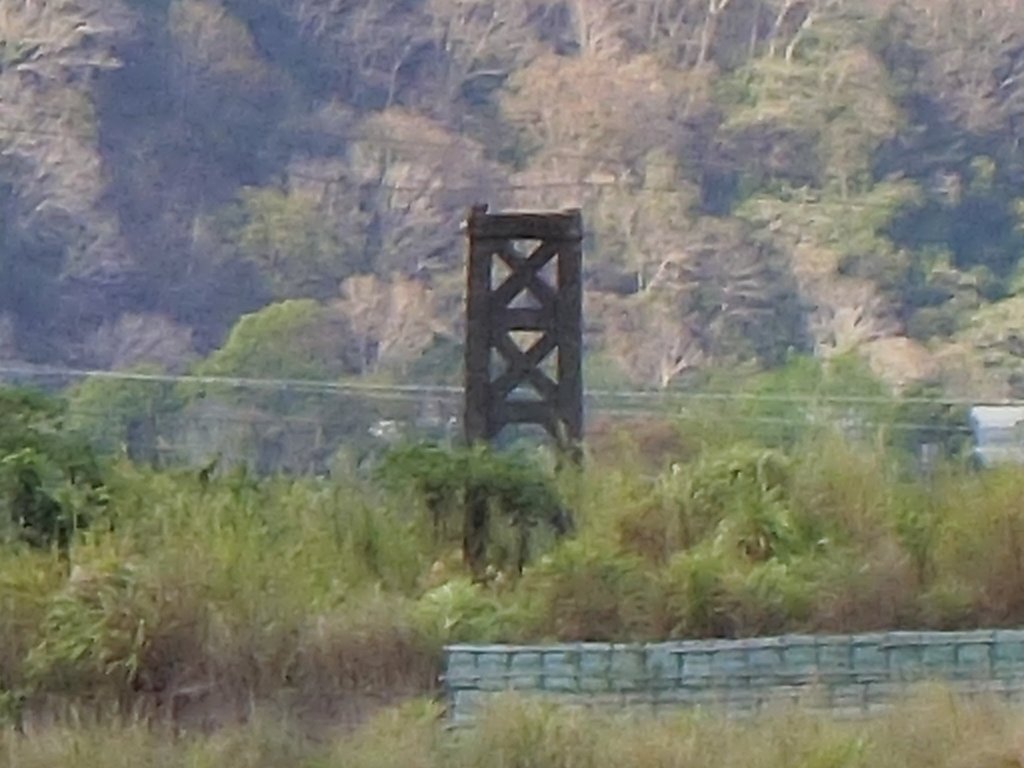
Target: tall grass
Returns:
[236, 588]
[930, 730]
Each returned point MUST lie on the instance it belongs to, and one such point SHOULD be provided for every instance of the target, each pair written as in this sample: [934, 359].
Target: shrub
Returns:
[865, 590]
[49, 479]
[648, 530]
[531, 735]
[840, 492]
[462, 611]
[303, 587]
[771, 598]
[644, 443]
[740, 496]
[27, 580]
[695, 592]
[488, 490]
[96, 633]
[979, 538]
[587, 591]
[374, 642]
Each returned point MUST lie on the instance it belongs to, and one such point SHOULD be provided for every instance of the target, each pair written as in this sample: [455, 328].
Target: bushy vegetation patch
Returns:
[349, 586]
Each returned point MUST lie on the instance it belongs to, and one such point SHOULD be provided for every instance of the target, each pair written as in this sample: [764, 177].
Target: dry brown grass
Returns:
[932, 729]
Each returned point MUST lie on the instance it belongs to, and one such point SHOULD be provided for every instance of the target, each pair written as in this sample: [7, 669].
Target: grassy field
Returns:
[930, 730]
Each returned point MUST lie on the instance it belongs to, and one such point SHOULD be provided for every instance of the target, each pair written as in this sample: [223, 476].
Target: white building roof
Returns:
[997, 416]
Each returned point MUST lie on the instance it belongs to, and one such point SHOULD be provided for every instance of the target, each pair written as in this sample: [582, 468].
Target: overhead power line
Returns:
[279, 384]
[256, 419]
[421, 391]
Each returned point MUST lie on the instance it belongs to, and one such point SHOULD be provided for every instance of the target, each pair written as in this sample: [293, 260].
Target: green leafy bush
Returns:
[95, 633]
[587, 591]
[695, 590]
[461, 611]
[124, 416]
[49, 478]
[488, 490]
[739, 496]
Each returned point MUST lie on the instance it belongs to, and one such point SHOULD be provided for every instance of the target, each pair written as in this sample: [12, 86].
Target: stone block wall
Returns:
[847, 674]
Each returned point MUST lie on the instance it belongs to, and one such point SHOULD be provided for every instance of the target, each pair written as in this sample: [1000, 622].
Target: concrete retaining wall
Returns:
[848, 674]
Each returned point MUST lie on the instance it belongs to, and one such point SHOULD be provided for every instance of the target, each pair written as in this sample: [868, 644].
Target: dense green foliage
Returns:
[49, 480]
[758, 177]
[321, 589]
[487, 490]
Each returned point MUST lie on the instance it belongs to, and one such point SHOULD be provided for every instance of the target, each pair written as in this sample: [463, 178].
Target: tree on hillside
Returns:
[822, 204]
[295, 245]
[848, 313]
[8, 337]
[622, 158]
[966, 55]
[292, 339]
[389, 322]
[852, 277]
[374, 48]
[719, 297]
[480, 43]
[416, 180]
[960, 69]
[276, 425]
[654, 338]
[723, 33]
[138, 339]
[851, 235]
[637, 224]
[125, 418]
[227, 97]
[644, 106]
[742, 289]
[29, 273]
[996, 332]
[182, 163]
[836, 101]
[189, 121]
